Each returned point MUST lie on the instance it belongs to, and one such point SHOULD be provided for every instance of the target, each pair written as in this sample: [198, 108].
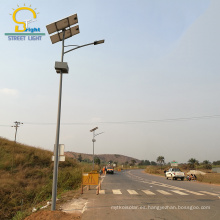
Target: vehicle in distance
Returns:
[110, 169]
[174, 174]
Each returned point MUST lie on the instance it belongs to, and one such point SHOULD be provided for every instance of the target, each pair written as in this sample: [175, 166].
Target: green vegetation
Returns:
[80, 158]
[144, 162]
[192, 162]
[153, 170]
[97, 160]
[132, 163]
[160, 161]
[26, 177]
[216, 163]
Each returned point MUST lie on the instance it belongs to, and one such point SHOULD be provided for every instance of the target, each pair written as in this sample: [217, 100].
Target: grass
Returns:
[212, 178]
[26, 178]
[155, 170]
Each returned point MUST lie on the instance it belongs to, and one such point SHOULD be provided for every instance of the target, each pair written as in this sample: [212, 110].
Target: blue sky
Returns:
[159, 61]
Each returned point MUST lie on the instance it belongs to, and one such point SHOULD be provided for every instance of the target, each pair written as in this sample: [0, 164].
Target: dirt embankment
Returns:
[53, 215]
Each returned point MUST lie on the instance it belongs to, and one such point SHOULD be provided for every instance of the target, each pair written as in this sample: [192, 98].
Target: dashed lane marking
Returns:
[116, 191]
[213, 194]
[148, 192]
[164, 192]
[102, 191]
[132, 192]
[195, 193]
[179, 192]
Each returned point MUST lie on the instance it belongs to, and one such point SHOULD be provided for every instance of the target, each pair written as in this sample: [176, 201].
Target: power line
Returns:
[128, 122]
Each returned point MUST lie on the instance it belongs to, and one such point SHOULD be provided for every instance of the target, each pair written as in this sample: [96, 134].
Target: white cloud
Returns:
[11, 92]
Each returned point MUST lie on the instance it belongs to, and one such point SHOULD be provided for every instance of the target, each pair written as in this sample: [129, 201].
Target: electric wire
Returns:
[128, 122]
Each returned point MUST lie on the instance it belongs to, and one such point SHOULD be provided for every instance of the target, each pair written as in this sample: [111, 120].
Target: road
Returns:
[134, 194]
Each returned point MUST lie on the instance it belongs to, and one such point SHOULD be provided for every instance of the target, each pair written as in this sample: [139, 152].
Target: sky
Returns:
[153, 87]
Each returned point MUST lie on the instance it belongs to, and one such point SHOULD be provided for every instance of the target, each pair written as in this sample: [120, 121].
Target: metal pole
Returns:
[16, 128]
[93, 140]
[56, 159]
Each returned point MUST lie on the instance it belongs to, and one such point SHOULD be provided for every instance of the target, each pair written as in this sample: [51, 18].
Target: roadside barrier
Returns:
[91, 179]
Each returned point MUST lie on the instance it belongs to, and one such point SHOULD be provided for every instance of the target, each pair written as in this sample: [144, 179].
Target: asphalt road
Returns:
[134, 194]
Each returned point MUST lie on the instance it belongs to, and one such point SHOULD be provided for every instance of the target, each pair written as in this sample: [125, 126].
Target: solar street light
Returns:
[61, 67]
[99, 42]
[64, 29]
[94, 140]
[93, 129]
[62, 24]
[68, 33]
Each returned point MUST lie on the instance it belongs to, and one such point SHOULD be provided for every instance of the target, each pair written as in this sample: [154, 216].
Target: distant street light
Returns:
[93, 141]
[64, 31]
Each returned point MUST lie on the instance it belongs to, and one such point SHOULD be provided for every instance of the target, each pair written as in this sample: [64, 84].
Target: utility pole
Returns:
[16, 126]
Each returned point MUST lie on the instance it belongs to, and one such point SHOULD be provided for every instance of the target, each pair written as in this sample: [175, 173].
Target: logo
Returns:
[23, 29]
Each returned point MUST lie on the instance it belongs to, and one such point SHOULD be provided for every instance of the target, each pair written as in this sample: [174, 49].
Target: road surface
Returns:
[134, 194]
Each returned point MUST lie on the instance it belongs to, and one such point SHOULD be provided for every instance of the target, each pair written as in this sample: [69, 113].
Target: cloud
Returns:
[9, 92]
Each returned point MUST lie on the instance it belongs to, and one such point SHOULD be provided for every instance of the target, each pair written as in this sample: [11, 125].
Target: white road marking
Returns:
[195, 193]
[148, 192]
[116, 191]
[164, 192]
[213, 194]
[132, 192]
[101, 191]
[179, 192]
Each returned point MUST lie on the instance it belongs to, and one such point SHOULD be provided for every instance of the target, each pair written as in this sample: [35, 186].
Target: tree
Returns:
[160, 160]
[141, 163]
[207, 164]
[146, 162]
[97, 161]
[216, 162]
[133, 162]
[153, 163]
[80, 158]
[126, 163]
[192, 162]
[87, 160]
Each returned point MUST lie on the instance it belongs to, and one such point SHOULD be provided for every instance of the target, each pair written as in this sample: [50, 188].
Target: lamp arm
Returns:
[79, 47]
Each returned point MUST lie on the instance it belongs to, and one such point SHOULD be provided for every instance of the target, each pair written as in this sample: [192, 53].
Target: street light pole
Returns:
[64, 30]
[56, 150]
[93, 140]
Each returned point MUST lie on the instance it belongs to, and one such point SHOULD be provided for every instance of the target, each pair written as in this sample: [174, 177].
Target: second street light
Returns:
[64, 29]
[93, 141]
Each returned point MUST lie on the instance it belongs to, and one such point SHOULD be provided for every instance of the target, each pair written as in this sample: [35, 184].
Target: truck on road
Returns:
[174, 174]
[110, 169]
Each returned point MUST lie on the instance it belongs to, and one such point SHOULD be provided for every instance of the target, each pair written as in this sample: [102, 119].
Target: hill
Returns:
[26, 177]
[105, 158]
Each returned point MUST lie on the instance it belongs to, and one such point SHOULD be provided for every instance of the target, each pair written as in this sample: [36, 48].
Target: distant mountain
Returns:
[105, 158]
